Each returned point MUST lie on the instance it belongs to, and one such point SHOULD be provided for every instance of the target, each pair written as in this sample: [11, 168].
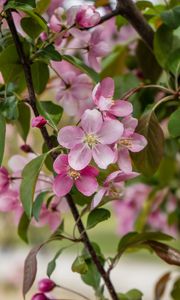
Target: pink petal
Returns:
[61, 164]
[121, 108]
[105, 88]
[103, 155]
[138, 142]
[89, 171]
[124, 160]
[87, 185]
[98, 197]
[62, 185]
[79, 157]
[130, 124]
[70, 136]
[119, 176]
[110, 131]
[91, 121]
[93, 61]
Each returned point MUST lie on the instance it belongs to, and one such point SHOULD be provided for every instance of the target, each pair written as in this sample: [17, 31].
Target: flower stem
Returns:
[72, 291]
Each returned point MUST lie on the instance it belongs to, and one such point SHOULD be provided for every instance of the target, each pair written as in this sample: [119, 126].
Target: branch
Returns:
[32, 101]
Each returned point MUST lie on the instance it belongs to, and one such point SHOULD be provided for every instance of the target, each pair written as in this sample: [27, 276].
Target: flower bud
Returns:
[87, 16]
[4, 179]
[38, 122]
[39, 296]
[26, 148]
[46, 285]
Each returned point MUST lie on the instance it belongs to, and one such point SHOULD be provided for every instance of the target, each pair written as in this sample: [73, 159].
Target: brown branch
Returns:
[32, 101]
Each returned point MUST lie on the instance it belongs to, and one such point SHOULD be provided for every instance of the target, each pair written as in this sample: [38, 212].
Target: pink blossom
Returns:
[94, 44]
[91, 139]
[73, 92]
[87, 16]
[9, 200]
[4, 179]
[39, 122]
[129, 141]
[113, 187]
[56, 21]
[54, 4]
[46, 285]
[84, 180]
[40, 296]
[103, 98]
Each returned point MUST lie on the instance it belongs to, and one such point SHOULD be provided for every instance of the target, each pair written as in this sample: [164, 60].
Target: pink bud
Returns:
[43, 36]
[87, 16]
[39, 296]
[4, 179]
[38, 122]
[26, 148]
[46, 285]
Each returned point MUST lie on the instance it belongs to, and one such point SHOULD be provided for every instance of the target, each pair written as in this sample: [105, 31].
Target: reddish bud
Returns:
[38, 122]
[39, 296]
[46, 285]
[26, 148]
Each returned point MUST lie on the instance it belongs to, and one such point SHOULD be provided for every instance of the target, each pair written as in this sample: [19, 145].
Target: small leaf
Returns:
[42, 6]
[40, 75]
[9, 108]
[38, 204]
[31, 27]
[172, 17]
[30, 269]
[161, 286]
[50, 53]
[23, 227]
[165, 252]
[52, 264]
[134, 295]
[173, 125]
[92, 276]
[96, 216]
[51, 111]
[23, 121]
[176, 290]
[148, 160]
[79, 265]
[2, 135]
[80, 65]
[29, 177]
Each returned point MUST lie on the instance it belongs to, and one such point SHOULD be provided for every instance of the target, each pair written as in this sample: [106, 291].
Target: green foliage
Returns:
[23, 121]
[80, 65]
[29, 177]
[49, 53]
[173, 125]
[79, 265]
[131, 295]
[172, 17]
[147, 161]
[40, 75]
[9, 108]
[42, 6]
[51, 111]
[31, 27]
[37, 204]
[23, 227]
[96, 216]
[52, 264]
[176, 290]
[2, 135]
[92, 276]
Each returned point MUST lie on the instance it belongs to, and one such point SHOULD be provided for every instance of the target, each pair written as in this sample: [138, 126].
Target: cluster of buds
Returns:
[45, 285]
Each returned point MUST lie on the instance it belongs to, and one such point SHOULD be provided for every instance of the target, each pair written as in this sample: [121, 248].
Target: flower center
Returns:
[74, 174]
[116, 193]
[91, 140]
[125, 142]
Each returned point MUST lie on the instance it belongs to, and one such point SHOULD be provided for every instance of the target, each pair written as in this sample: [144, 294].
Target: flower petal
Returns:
[138, 142]
[103, 155]
[90, 171]
[79, 157]
[110, 131]
[98, 197]
[121, 108]
[91, 121]
[61, 163]
[87, 185]
[124, 160]
[70, 136]
[130, 124]
[62, 185]
[105, 88]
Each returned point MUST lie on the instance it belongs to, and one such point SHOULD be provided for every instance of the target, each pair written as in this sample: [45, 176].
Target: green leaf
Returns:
[40, 75]
[133, 239]
[42, 6]
[31, 27]
[172, 17]
[37, 204]
[50, 53]
[134, 295]
[23, 121]
[2, 135]
[176, 290]
[96, 216]
[23, 228]
[79, 265]
[29, 177]
[114, 63]
[173, 125]
[148, 160]
[9, 108]
[52, 264]
[26, 3]
[51, 111]
[92, 276]
[80, 65]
